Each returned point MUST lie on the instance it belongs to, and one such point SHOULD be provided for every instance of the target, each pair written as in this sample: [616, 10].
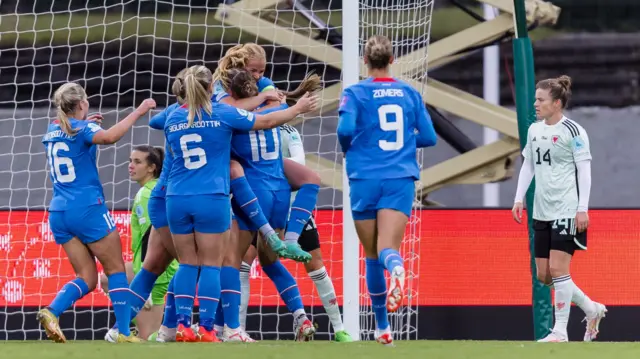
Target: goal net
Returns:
[125, 51]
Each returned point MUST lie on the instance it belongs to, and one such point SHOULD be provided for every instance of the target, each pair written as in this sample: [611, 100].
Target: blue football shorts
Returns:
[368, 196]
[208, 213]
[274, 205]
[90, 224]
[157, 207]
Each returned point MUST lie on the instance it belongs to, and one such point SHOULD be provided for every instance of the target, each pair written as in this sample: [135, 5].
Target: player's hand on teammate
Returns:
[582, 221]
[97, 118]
[272, 95]
[307, 103]
[146, 105]
[517, 211]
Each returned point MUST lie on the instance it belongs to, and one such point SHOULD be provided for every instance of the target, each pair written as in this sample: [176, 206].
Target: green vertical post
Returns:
[525, 97]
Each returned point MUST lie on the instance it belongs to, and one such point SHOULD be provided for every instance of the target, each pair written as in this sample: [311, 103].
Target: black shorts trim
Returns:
[309, 238]
[559, 235]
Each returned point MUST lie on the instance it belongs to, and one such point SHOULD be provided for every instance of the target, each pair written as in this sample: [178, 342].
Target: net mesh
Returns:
[125, 51]
[407, 24]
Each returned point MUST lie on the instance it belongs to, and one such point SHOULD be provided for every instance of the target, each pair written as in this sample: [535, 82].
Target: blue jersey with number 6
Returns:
[201, 153]
[72, 166]
[382, 122]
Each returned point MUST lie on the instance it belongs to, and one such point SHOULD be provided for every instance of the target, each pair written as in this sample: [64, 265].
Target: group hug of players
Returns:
[220, 195]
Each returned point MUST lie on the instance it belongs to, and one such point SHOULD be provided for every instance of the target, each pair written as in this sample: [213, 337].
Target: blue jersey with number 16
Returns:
[382, 122]
[72, 166]
[201, 153]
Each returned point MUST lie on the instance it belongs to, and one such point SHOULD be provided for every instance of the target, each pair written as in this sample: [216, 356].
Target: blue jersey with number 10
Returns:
[382, 122]
[260, 154]
[201, 153]
[72, 166]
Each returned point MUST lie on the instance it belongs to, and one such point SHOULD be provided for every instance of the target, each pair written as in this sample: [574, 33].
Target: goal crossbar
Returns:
[464, 168]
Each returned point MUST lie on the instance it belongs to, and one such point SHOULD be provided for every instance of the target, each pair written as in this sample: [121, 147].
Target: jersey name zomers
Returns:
[554, 152]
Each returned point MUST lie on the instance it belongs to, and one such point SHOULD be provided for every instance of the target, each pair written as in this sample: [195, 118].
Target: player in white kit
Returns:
[557, 153]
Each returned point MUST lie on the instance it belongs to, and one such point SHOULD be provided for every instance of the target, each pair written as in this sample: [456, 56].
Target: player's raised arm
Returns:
[348, 113]
[305, 104]
[115, 133]
[177, 88]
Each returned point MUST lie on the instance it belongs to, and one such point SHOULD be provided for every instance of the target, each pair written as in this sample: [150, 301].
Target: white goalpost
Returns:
[125, 51]
[407, 24]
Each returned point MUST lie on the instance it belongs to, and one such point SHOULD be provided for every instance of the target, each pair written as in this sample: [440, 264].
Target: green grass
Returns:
[321, 350]
[84, 27]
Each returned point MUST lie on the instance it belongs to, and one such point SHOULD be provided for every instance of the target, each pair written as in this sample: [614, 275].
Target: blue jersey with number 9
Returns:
[201, 153]
[389, 123]
[72, 166]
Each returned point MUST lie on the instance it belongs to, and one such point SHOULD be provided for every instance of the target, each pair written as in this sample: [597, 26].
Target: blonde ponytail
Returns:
[66, 99]
[177, 88]
[235, 58]
[197, 82]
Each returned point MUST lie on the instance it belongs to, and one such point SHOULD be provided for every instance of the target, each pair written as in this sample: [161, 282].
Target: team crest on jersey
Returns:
[343, 101]
[245, 113]
[94, 127]
[139, 211]
[578, 143]
[555, 139]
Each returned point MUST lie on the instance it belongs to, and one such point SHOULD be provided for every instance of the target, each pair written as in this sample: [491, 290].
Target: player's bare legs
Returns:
[543, 273]
[288, 289]
[86, 274]
[391, 227]
[367, 230]
[248, 202]
[108, 250]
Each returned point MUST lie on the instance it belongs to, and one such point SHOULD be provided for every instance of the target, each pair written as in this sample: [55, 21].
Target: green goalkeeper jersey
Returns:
[140, 223]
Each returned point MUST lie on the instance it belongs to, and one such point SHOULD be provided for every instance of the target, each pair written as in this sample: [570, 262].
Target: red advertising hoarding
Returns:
[464, 257]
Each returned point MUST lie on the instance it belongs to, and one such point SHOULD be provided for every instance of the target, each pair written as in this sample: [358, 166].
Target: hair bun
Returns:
[565, 81]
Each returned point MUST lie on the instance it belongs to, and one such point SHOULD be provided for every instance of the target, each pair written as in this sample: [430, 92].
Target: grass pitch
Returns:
[321, 350]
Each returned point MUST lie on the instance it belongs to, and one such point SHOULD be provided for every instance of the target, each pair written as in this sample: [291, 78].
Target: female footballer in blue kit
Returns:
[376, 130]
[198, 205]
[78, 216]
[259, 154]
[160, 249]
[252, 57]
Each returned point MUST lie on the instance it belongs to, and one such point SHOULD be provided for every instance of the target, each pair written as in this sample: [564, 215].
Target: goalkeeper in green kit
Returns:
[145, 165]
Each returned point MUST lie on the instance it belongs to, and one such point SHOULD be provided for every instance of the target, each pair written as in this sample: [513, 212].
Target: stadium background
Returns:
[473, 262]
